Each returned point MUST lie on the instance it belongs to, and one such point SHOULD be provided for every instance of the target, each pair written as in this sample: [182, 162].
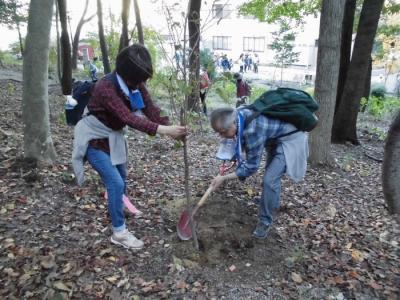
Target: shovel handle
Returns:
[203, 199]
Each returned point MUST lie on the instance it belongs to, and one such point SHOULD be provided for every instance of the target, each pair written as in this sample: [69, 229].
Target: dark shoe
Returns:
[261, 231]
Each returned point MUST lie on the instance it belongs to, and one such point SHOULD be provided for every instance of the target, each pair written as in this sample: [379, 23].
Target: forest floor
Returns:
[333, 237]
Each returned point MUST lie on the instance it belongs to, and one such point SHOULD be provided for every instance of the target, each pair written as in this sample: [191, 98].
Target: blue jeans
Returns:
[113, 178]
[274, 170]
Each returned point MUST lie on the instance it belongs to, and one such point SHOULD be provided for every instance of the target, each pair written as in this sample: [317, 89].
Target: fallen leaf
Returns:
[48, 262]
[375, 286]
[296, 277]
[67, 268]
[357, 255]
[112, 279]
[181, 285]
[61, 286]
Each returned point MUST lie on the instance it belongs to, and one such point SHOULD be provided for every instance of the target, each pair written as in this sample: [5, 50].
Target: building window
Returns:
[256, 44]
[222, 43]
[221, 11]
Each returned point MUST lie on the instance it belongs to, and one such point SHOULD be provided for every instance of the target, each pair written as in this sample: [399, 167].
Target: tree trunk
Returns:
[66, 78]
[21, 44]
[194, 58]
[58, 46]
[367, 84]
[103, 45]
[75, 43]
[326, 78]
[391, 168]
[345, 47]
[38, 144]
[124, 39]
[139, 22]
[345, 125]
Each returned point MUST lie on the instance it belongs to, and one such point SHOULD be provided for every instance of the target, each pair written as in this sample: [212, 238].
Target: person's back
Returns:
[242, 88]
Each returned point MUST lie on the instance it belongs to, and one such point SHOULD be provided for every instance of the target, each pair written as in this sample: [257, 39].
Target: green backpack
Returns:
[290, 105]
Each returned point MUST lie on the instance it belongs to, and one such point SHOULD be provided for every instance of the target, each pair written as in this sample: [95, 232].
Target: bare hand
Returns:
[217, 182]
[174, 131]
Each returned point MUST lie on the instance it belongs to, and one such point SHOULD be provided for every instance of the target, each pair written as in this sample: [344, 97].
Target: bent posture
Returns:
[286, 153]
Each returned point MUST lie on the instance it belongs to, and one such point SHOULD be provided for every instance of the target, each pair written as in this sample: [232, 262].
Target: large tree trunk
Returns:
[345, 47]
[38, 144]
[124, 39]
[75, 43]
[391, 168]
[345, 125]
[66, 78]
[139, 22]
[326, 78]
[194, 58]
[103, 45]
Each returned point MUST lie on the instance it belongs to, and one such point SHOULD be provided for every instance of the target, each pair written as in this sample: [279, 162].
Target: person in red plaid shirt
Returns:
[114, 103]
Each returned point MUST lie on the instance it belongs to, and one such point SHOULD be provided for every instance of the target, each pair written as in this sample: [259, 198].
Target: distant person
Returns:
[204, 86]
[93, 69]
[225, 63]
[256, 62]
[243, 89]
[241, 63]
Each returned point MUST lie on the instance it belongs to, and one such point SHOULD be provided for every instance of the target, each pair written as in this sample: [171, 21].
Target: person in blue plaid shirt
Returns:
[286, 154]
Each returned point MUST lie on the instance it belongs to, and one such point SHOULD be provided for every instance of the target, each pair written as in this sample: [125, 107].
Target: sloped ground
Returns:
[333, 238]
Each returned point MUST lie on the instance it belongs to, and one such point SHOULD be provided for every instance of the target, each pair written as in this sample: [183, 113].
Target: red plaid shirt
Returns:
[112, 107]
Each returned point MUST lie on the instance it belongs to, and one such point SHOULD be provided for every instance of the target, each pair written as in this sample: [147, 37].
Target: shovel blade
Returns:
[183, 227]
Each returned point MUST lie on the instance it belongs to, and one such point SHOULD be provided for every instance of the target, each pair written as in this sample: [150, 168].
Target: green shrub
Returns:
[257, 91]
[378, 92]
[207, 62]
[310, 90]
[380, 107]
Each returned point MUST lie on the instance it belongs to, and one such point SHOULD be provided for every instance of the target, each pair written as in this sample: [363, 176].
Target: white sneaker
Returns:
[127, 240]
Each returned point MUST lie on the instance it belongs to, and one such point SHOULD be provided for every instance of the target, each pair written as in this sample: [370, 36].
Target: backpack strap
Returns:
[255, 114]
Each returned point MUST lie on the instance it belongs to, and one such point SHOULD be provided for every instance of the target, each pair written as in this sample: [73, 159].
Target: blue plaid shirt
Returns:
[254, 139]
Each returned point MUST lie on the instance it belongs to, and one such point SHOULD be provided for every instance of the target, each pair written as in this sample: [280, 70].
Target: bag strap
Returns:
[256, 113]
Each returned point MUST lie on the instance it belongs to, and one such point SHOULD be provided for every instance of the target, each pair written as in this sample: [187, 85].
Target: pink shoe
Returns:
[128, 204]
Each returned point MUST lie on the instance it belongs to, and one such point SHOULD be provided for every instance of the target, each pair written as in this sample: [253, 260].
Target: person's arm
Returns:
[254, 143]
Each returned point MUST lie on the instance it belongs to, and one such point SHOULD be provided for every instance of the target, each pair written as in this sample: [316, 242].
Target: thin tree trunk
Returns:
[103, 45]
[345, 126]
[367, 84]
[58, 46]
[38, 144]
[194, 58]
[391, 168]
[345, 47]
[75, 43]
[138, 22]
[124, 39]
[21, 44]
[326, 79]
[66, 78]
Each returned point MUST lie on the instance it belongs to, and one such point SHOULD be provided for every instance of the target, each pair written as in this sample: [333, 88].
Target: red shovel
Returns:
[183, 227]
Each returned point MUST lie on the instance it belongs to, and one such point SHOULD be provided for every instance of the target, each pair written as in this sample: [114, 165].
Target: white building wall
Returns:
[238, 27]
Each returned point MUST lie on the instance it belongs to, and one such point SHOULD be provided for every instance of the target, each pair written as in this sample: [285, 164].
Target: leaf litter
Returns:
[332, 239]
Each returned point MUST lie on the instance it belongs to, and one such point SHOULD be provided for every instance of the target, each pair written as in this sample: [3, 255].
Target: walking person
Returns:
[204, 86]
